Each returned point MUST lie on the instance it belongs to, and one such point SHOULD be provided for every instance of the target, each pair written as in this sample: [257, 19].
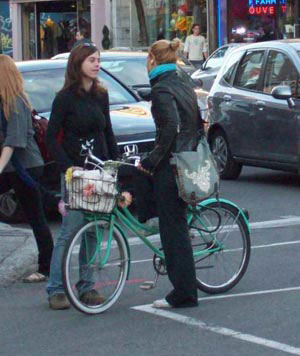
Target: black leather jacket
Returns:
[177, 119]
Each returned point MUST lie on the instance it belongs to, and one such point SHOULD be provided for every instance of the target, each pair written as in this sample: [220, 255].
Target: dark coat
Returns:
[177, 119]
[75, 119]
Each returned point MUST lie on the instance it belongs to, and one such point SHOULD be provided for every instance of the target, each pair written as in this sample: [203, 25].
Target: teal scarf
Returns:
[162, 68]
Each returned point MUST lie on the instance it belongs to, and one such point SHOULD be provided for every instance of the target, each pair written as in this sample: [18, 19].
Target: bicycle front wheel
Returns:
[95, 260]
[221, 246]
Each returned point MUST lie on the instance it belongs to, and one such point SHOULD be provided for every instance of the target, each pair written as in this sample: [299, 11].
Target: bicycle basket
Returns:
[93, 191]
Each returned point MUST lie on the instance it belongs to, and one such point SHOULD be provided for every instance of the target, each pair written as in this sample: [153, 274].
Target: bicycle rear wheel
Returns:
[221, 246]
[95, 260]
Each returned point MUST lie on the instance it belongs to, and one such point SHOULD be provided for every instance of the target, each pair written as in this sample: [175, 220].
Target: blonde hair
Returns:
[11, 85]
[165, 51]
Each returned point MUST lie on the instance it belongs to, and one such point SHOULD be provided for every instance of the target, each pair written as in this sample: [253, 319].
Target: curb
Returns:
[22, 260]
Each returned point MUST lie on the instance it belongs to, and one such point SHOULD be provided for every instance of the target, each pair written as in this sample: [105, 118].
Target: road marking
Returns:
[247, 294]
[283, 222]
[277, 244]
[219, 330]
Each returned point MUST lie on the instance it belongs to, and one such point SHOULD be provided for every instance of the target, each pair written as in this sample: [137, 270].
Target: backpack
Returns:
[40, 125]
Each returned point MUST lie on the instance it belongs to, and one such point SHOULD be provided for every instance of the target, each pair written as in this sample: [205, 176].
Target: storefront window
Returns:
[29, 33]
[167, 19]
[261, 20]
[5, 29]
[49, 27]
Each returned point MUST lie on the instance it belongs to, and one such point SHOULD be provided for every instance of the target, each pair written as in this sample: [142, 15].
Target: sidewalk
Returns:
[18, 253]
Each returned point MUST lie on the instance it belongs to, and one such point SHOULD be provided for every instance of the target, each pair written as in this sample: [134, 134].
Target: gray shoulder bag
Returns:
[197, 175]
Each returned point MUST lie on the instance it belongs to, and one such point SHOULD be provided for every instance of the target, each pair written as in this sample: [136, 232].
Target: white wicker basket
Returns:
[93, 191]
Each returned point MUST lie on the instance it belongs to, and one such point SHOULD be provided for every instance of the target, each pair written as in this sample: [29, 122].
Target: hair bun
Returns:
[175, 44]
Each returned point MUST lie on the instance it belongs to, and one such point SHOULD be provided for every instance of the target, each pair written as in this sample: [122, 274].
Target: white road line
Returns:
[284, 222]
[276, 244]
[260, 292]
[219, 330]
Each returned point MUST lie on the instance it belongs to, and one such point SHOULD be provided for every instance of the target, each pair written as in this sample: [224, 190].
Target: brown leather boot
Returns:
[59, 301]
[92, 297]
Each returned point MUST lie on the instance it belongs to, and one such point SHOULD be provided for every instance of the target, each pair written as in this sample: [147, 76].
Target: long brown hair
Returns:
[11, 85]
[165, 51]
[73, 76]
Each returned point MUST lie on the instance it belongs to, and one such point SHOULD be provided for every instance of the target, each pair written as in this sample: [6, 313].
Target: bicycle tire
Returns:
[90, 244]
[225, 251]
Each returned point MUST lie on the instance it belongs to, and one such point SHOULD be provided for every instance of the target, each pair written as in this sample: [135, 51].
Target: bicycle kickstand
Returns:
[147, 285]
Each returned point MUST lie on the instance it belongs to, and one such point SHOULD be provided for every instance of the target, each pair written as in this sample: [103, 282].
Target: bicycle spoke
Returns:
[222, 254]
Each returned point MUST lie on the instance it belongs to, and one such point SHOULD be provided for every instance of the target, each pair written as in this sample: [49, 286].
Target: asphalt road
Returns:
[260, 315]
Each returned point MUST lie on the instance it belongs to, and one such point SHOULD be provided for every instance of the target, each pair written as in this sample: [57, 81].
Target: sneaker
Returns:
[161, 303]
[92, 297]
[59, 301]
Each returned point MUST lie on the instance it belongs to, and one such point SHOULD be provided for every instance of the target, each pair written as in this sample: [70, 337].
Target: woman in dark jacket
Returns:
[80, 112]
[178, 125]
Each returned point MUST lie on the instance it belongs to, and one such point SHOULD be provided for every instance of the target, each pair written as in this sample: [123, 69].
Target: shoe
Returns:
[161, 303]
[35, 277]
[92, 297]
[59, 301]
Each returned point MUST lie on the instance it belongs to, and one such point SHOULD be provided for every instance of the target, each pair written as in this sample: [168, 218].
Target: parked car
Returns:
[131, 117]
[210, 68]
[130, 68]
[249, 123]
[183, 62]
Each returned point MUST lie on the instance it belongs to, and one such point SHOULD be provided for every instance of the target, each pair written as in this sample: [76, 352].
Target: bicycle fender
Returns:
[214, 200]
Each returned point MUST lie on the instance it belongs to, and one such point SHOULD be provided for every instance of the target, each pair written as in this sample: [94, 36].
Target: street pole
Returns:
[296, 12]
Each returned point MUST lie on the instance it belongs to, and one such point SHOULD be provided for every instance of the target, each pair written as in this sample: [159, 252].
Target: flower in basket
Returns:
[89, 190]
[69, 175]
[125, 199]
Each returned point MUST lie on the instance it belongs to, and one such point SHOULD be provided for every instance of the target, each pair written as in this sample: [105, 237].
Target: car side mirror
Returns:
[145, 93]
[283, 92]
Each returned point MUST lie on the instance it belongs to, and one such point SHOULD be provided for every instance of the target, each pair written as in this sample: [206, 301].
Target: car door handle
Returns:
[260, 105]
[227, 98]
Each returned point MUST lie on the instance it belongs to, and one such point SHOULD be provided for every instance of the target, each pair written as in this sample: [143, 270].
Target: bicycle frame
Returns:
[121, 217]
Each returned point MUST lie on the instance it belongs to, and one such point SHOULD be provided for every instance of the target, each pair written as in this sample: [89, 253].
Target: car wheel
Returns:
[228, 167]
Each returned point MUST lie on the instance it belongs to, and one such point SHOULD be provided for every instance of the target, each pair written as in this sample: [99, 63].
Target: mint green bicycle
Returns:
[98, 255]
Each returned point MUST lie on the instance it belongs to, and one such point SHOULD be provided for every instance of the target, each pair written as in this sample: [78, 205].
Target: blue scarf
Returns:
[162, 68]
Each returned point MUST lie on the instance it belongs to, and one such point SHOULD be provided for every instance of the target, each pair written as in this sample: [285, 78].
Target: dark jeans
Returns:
[173, 233]
[31, 203]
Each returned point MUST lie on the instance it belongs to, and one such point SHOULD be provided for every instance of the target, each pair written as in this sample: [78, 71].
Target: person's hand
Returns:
[140, 168]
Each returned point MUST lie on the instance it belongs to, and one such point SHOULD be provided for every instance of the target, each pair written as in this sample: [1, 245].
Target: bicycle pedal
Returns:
[147, 285]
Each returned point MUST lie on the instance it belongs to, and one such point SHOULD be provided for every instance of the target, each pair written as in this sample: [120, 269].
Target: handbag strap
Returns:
[21, 171]
[178, 119]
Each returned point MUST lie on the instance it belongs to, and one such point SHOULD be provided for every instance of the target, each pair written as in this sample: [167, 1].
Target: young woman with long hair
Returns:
[80, 112]
[21, 164]
[178, 126]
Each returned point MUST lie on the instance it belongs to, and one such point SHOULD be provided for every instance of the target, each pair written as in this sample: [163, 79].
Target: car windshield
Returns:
[131, 71]
[41, 86]
[216, 59]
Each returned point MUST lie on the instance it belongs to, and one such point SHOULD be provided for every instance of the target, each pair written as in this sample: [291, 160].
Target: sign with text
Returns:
[266, 7]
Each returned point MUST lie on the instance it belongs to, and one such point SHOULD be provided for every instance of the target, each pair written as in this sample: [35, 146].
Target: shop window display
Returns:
[169, 19]
[49, 28]
[261, 20]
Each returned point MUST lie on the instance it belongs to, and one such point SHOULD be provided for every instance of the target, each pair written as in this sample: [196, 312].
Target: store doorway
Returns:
[49, 27]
